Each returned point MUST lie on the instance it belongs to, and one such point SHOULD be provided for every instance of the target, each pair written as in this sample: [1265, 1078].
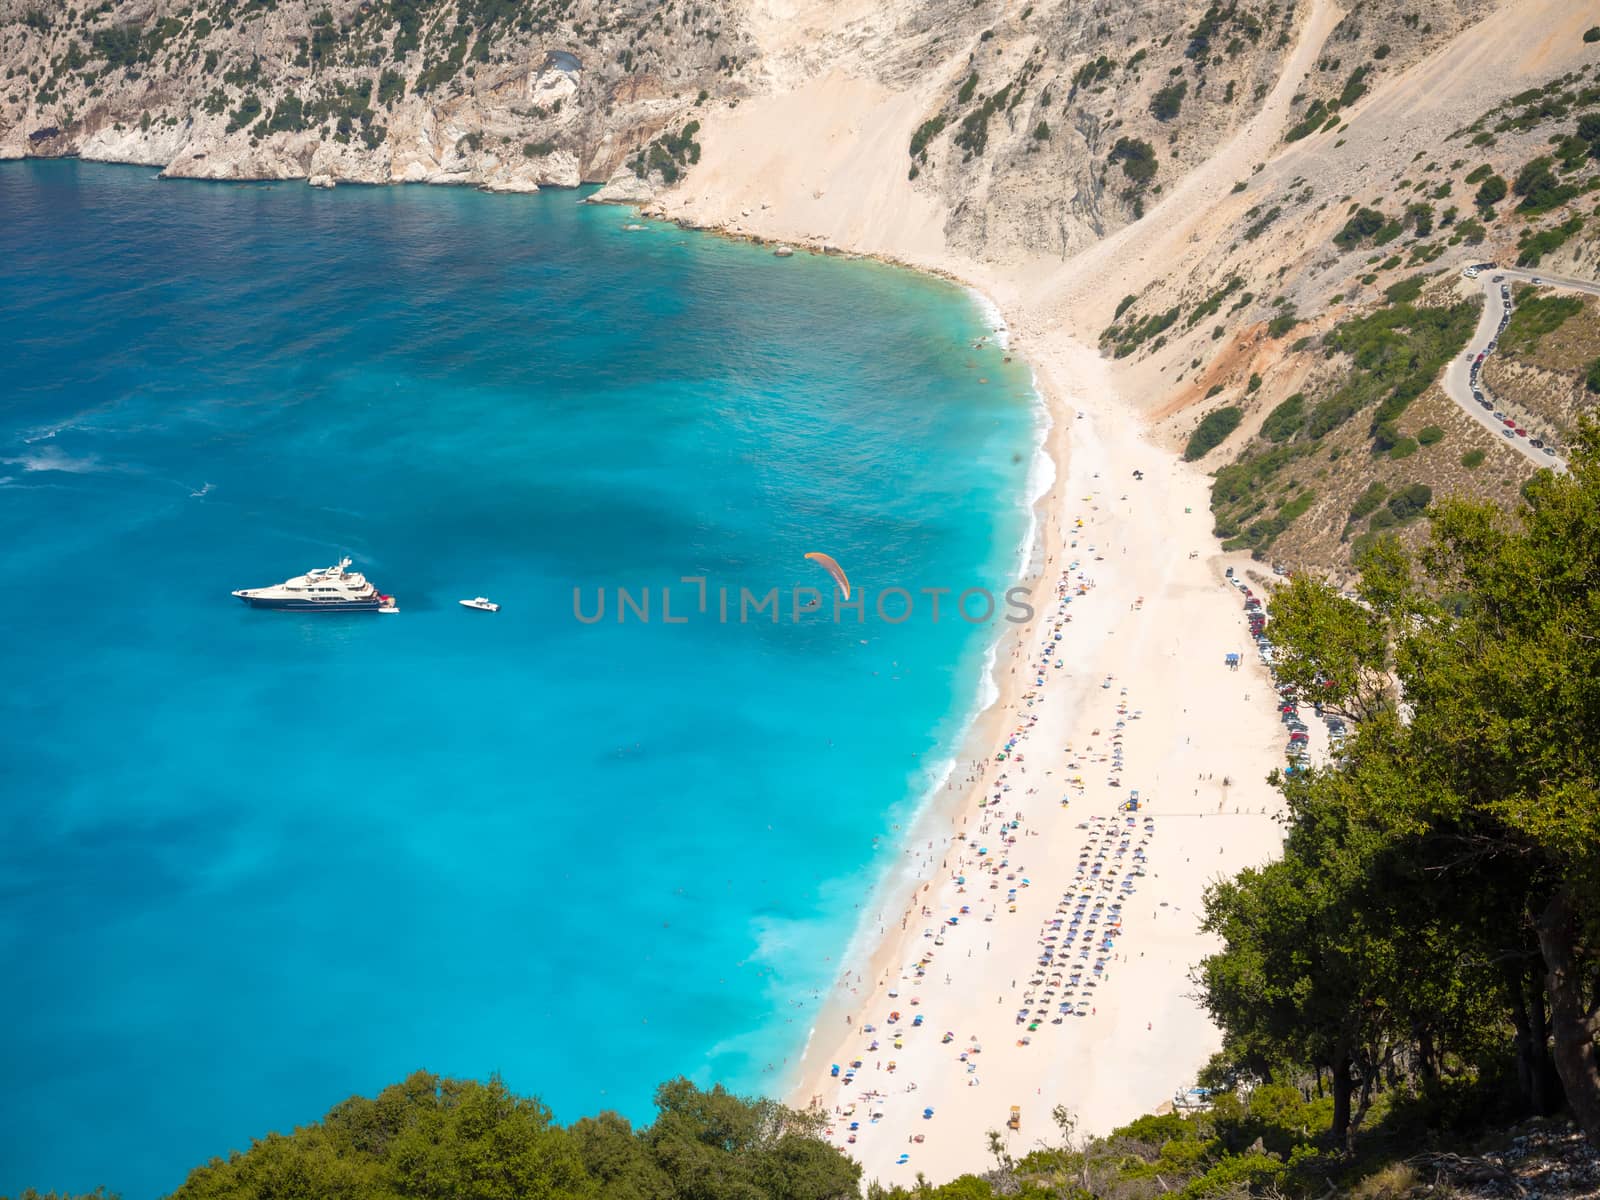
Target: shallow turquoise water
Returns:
[255, 862]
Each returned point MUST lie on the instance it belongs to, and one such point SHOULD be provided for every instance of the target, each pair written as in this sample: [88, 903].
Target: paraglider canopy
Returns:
[832, 567]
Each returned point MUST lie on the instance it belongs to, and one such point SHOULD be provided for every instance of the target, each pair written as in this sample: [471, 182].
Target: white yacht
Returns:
[481, 603]
[325, 589]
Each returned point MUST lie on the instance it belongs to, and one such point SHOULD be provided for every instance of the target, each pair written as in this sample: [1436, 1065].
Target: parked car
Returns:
[1536, 443]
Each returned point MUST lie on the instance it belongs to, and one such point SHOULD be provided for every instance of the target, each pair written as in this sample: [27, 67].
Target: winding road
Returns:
[1459, 375]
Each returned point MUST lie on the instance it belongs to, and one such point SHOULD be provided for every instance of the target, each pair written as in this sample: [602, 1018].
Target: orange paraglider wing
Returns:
[833, 568]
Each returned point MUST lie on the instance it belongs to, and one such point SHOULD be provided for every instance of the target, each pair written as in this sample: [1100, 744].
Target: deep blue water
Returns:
[252, 863]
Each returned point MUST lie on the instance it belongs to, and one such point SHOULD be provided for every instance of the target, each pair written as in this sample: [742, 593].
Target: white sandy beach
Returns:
[1141, 683]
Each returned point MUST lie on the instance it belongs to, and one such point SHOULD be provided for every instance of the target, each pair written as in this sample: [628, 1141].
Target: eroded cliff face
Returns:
[1031, 129]
[498, 93]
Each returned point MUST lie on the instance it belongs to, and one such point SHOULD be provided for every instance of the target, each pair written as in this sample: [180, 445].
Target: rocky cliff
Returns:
[503, 94]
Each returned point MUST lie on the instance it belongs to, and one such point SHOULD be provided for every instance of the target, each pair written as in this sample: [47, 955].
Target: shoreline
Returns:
[943, 802]
[1176, 595]
[1141, 620]
[1041, 706]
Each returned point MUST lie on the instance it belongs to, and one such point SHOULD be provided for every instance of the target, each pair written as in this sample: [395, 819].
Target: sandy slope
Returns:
[822, 161]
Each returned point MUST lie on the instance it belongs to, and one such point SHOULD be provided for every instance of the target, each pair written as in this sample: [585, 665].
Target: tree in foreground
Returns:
[1438, 904]
[448, 1139]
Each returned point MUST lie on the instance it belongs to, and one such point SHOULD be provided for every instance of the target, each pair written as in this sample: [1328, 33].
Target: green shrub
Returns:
[1041, 132]
[1297, 507]
[1490, 192]
[1410, 501]
[1329, 415]
[538, 149]
[1211, 431]
[1429, 434]
[1282, 323]
[1386, 434]
[1539, 187]
[1138, 159]
[1473, 459]
[1404, 448]
[1535, 316]
[288, 115]
[391, 86]
[1260, 226]
[1369, 500]
[926, 132]
[1315, 116]
[973, 136]
[1362, 225]
[1093, 71]
[1283, 422]
[1210, 305]
[249, 109]
[1405, 291]
[1592, 34]
[1592, 382]
[1126, 341]
[1544, 242]
[119, 45]
[669, 154]
[1164, 105]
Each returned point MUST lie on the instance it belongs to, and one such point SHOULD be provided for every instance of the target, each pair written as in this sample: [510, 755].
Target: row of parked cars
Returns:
[1509, 426]
[1288, 701]
[1299, 731]
[1257, 617]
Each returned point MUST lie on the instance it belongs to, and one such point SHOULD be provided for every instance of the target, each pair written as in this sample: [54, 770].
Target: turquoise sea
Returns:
[252, 862]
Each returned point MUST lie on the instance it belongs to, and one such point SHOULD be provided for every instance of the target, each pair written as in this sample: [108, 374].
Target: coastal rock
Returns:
[153, 147]
[624, 187]
[321, 181]
[213, 157]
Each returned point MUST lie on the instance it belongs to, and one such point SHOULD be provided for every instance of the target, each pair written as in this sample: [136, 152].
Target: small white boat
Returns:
[482, 603]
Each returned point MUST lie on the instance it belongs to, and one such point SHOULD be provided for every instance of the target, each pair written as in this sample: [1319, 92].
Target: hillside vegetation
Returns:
[1334, 369]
